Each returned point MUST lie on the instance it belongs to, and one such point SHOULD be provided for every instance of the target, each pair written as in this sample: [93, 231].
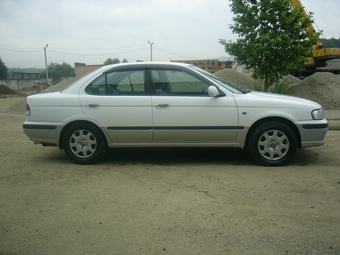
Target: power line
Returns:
[93, 49]
[173, 53]
[76, 54]
[91, 54]
[101, 54]
[62, 50]
[20, 50]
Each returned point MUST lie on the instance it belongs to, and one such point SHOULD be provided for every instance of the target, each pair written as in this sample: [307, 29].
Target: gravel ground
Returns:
[165, 201]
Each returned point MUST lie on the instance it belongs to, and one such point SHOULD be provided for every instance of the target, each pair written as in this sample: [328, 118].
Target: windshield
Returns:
[220, 81]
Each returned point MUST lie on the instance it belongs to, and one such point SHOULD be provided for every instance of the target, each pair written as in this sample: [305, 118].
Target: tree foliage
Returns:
[10, 71]
[331, 43]
[110, 61]
[3, 70]
[274, 38]
[57, 71]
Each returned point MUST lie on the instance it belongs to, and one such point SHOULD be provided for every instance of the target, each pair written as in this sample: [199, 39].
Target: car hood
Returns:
[265, 99]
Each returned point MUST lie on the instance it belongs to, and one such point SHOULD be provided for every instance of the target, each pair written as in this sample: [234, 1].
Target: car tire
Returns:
[272, 144]
[84, 143]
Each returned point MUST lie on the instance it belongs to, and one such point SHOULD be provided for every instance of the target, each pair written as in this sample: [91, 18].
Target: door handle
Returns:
[96, 106]
[163, 106]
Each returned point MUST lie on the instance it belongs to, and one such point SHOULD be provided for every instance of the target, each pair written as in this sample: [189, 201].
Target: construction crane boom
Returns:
[321, 54]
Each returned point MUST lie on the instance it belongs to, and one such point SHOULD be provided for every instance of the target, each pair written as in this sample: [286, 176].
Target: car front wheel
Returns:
[84, 144]
[272, 144]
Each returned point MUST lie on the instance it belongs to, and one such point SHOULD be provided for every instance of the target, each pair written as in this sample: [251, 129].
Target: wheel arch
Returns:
[278, 119]
[84, 122]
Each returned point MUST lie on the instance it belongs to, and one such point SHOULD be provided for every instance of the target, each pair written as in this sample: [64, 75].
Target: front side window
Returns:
[178, 83]
[220, 81]
[118, 83]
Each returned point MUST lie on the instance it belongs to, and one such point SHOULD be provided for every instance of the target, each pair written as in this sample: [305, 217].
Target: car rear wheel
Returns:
[272, 144]
[84, 143]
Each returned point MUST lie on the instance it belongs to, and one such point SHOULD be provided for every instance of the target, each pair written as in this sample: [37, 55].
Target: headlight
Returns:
[317, 114]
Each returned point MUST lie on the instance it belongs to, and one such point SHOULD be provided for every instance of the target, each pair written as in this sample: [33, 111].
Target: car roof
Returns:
[143, 65]
[112, 67]
[150, 63]
[107, 68]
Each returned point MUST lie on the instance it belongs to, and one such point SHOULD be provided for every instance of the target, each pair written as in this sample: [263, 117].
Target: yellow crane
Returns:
[321, 54]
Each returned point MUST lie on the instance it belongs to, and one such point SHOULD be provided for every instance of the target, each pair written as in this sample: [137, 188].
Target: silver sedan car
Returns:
[170, 105]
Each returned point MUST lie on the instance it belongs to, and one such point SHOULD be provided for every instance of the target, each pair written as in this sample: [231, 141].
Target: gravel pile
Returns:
[236, 78]
[290, 80]
[61, 85]
[4, 90]
[246, 81]
[322, 87]
[20, 107]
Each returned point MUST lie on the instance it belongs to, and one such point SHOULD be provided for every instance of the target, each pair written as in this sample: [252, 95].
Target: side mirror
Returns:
[213, 91]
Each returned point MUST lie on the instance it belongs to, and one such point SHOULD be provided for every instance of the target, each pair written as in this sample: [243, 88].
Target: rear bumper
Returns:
[42, 133]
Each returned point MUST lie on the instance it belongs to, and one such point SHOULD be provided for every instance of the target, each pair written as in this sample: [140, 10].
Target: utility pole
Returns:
[46, 64]
[151, 43]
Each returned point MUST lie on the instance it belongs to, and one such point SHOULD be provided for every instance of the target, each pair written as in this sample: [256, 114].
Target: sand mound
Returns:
[236, 78]
[4, 90]
[322, 87]
[20, 107]
[61, 85]
[290, 80]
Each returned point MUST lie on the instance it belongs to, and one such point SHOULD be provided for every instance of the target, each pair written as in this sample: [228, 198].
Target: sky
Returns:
[90, 31]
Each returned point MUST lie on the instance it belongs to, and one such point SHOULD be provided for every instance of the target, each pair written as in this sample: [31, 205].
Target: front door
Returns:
[183, 113]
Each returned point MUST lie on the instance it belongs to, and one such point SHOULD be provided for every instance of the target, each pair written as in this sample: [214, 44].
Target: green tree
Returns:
[331, 43]
[57, 71]
[110, 61]
[274, 38]
[3, 70]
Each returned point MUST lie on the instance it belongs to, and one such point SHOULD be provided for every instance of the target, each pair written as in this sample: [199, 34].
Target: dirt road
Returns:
[165, 201]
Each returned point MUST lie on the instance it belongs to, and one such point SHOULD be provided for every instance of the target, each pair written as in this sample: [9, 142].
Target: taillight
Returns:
[28, 110]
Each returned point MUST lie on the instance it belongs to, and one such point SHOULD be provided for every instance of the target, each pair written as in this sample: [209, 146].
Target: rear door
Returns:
[183, 113]
[120, 103]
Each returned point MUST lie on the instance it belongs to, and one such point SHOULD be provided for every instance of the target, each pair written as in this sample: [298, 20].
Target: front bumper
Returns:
[313, 132]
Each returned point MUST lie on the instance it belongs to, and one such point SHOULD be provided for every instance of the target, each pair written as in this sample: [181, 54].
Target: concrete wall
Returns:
[21, 84]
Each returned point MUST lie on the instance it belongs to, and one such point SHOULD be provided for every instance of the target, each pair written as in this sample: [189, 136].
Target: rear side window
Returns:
[118, 83]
